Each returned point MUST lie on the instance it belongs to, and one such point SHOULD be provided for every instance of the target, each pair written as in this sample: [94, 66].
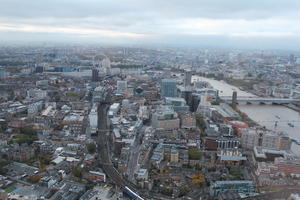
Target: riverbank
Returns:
[293, 107]
[261, 116]
[245, 118]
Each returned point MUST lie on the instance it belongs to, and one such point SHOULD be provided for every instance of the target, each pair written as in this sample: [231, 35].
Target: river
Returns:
[224, 88]
[265, 115]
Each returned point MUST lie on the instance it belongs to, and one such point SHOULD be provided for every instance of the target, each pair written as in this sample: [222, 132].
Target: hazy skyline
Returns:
[229, 23]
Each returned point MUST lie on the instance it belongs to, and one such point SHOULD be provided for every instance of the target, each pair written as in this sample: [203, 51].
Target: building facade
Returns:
[168, 88]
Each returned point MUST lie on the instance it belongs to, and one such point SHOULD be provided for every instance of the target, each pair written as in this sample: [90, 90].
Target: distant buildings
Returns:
[63, 69]
[37, 93]
[106, 64]
[3, 73]
[95, 75]
[39, 69]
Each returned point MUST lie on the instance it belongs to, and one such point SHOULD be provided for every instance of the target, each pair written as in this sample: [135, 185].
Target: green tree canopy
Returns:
[91, 147]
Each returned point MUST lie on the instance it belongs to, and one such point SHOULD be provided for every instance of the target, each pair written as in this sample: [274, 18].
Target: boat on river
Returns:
[291, 125]
[297, 141]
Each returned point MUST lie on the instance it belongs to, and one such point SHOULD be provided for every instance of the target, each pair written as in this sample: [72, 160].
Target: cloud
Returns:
[151, 21]
[69, 30]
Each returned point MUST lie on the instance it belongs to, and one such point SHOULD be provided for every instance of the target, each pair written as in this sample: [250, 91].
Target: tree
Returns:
[34, 178]
[200, 122]
[91, 147]
[23, 138]
[3, 171]
[167, 191]
[194, 154]
[77, 171]
[28, 131]
[44, 160]
[198, 179]
[184, 191]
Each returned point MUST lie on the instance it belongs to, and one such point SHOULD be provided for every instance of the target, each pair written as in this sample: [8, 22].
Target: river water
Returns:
[224, 88]
[265, 115]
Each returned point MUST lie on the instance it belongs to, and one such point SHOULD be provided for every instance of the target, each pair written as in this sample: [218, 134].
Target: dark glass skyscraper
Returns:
[168, 88]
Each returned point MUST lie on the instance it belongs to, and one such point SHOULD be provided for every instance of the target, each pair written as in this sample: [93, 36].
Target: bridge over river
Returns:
[259, 100]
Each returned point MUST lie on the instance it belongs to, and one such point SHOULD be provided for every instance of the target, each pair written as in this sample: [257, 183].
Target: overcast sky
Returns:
[225, 23]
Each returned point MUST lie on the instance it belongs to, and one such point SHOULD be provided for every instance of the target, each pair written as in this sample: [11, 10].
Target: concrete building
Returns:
[98, 94]
[95, 176]
[37, 93]
[243, 187]
[187, 120]
[179, 104]
[168, 88]
[142, 174]
[93, 121]
[34, 108]
[165, 118]
[158, 155]
[211, 93]
[223, 112]
[228, 143]
[174, 155]
[114, 109]
[121, 87]
[266, 139]
[20, 153]
[75, 123]
[204, 106]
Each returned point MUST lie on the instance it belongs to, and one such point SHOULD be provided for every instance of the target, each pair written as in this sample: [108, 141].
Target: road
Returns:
[134, 156]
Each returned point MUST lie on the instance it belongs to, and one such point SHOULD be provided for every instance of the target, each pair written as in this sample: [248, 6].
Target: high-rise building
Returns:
[95, 75]
[187, 78]
[292, 58]
[168, 88]
[106, 65]
[121, 87]
[234, 99]
[39, 69]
